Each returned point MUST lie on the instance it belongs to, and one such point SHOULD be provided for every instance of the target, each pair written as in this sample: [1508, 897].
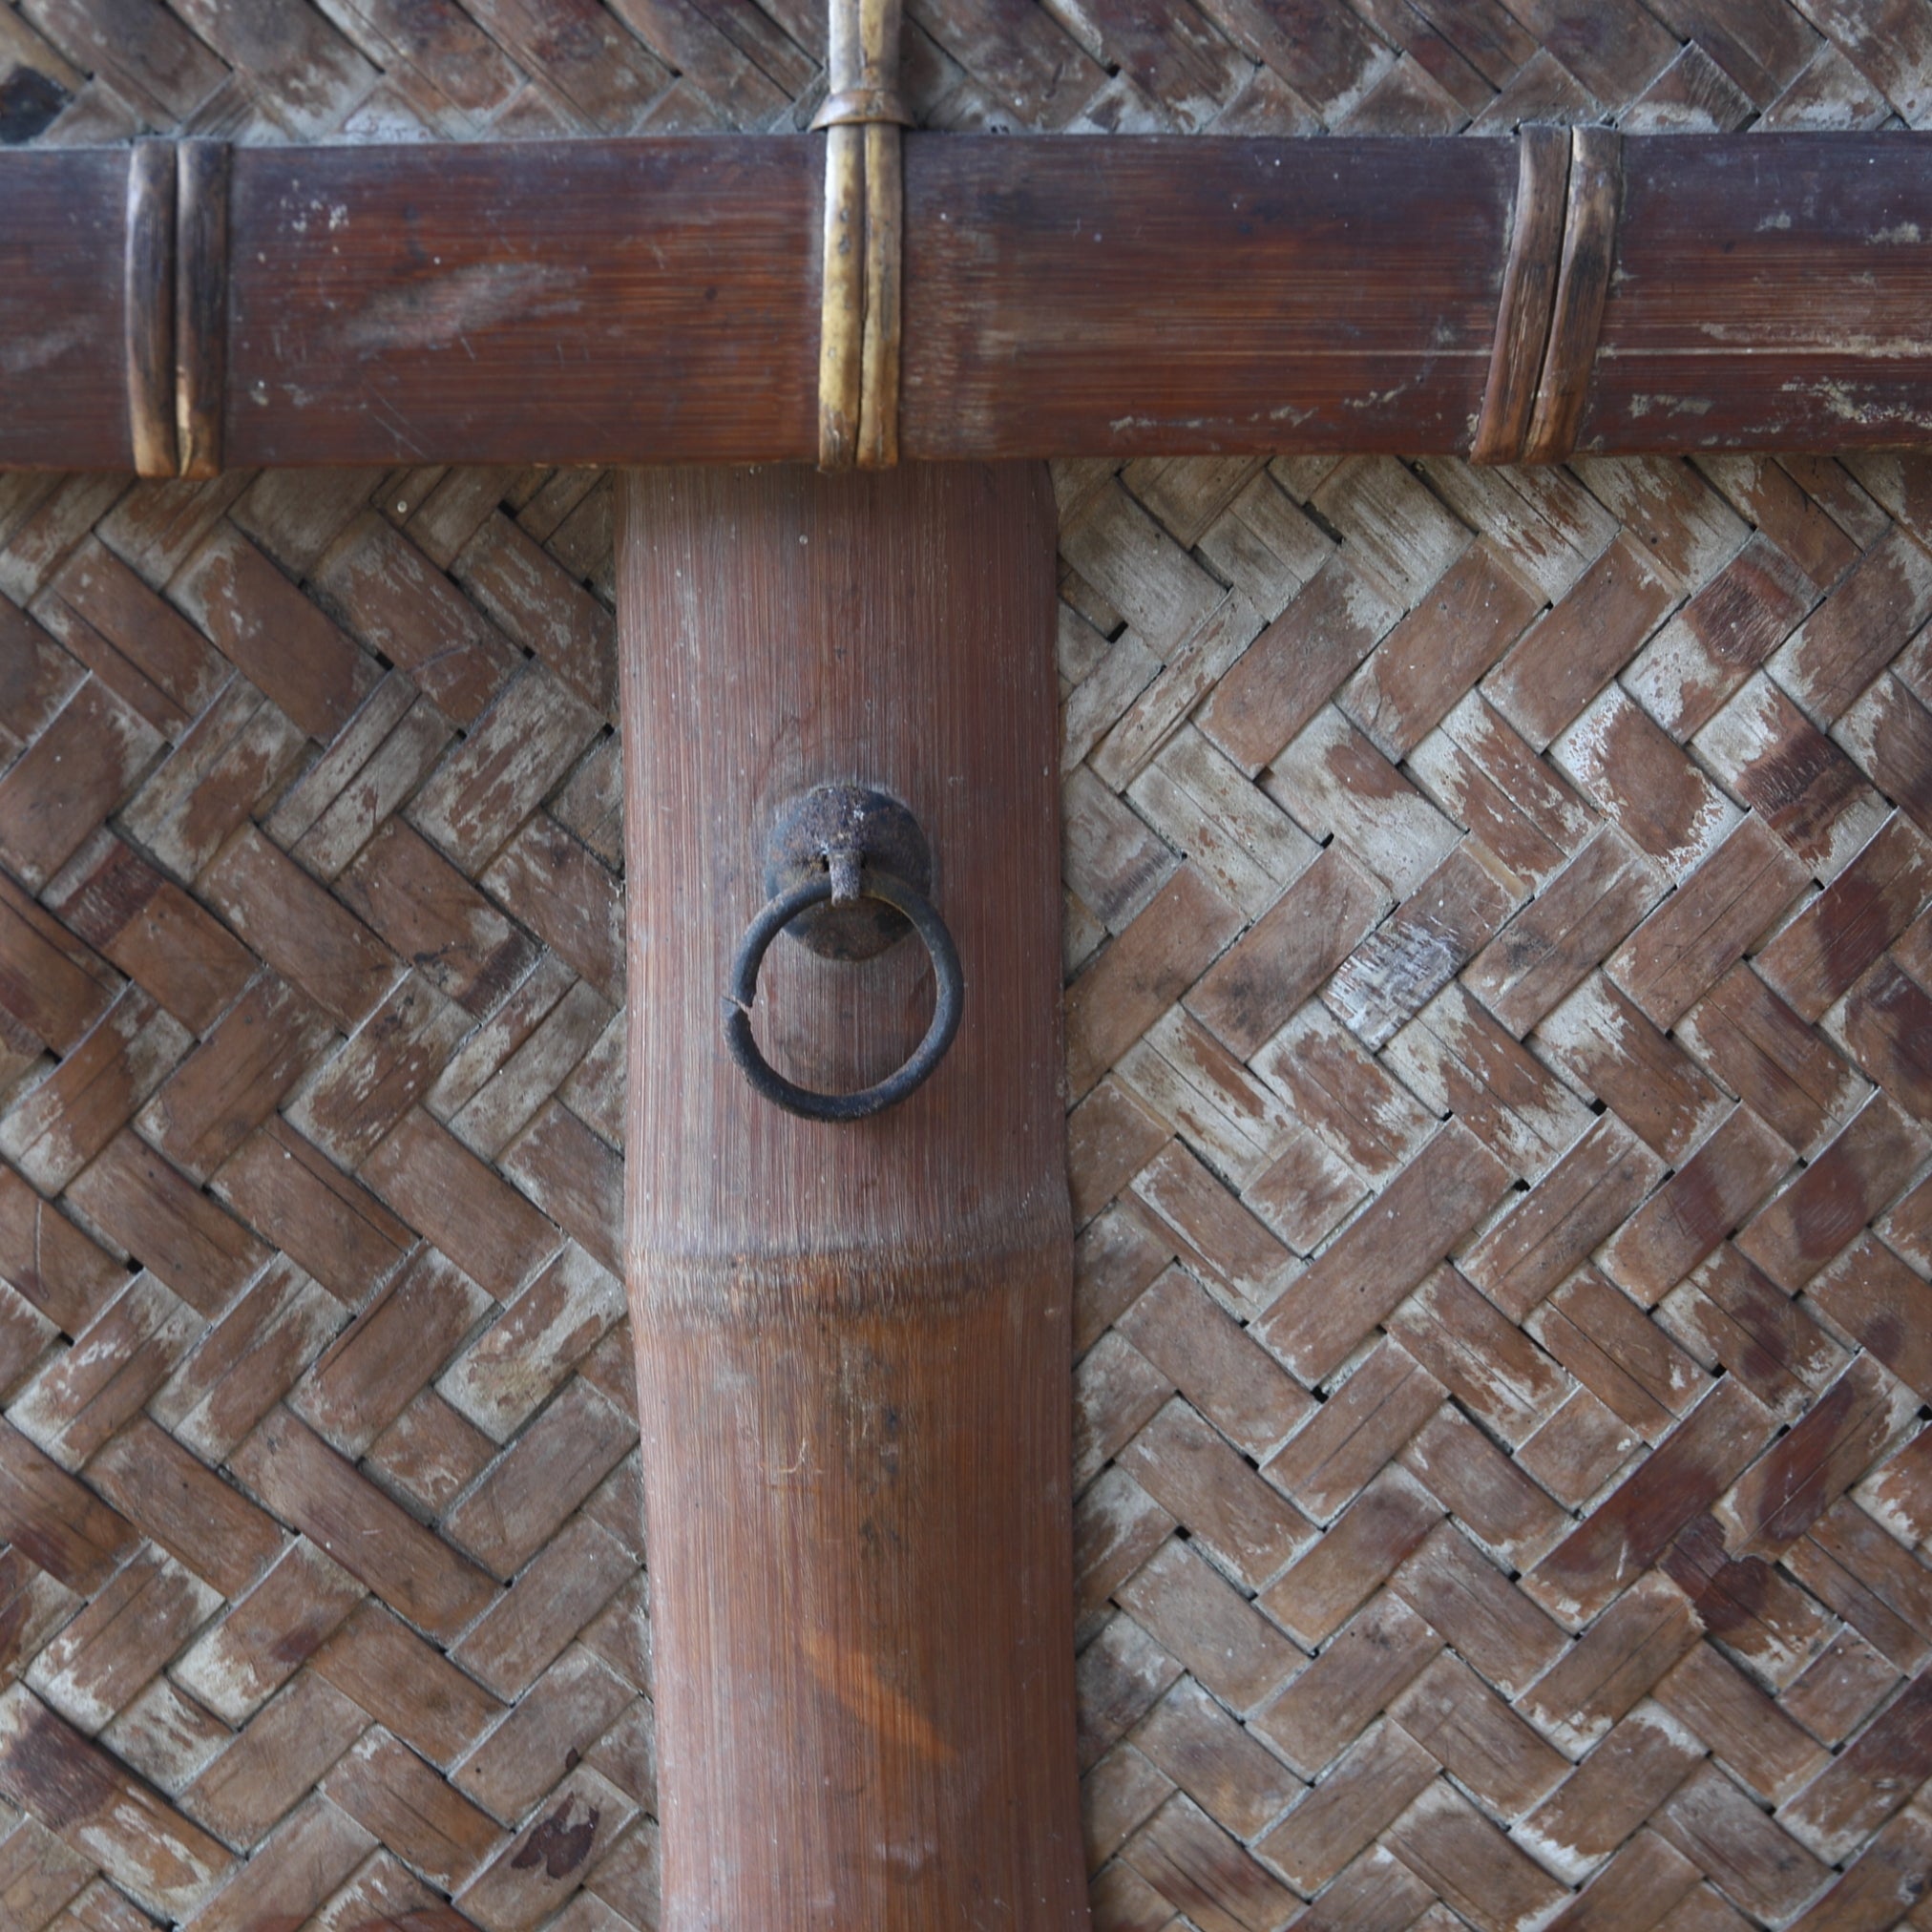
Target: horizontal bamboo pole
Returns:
[659, 300]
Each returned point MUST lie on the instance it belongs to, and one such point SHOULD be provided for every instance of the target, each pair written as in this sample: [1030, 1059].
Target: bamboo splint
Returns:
[860, 293]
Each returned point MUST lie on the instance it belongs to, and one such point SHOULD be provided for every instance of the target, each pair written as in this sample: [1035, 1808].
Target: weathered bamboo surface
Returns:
[1483, 1500]
[62, 251]
[345, 882]
[616, 300]
[852, 1341]
[1073, 298]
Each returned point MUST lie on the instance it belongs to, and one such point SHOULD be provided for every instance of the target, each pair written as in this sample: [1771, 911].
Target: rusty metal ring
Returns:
[949, 998]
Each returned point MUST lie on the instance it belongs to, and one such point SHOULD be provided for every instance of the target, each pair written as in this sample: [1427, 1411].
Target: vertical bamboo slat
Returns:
[853, 1339]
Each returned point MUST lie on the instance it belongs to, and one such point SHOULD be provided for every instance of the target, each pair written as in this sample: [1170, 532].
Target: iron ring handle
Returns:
[772, 919]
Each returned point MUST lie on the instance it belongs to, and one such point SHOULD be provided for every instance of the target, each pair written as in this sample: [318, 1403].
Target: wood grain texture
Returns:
[852, 1339]
[63, 270]
[1156, 295]
[1769, 295]
[607, 301]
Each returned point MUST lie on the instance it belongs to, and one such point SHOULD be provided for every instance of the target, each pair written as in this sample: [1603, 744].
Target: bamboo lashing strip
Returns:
[885, 250]
[842, 299]
[148, 307]
[201, 302]
[859, 313]
[175, 299]
[1555, 281]
[1590, 240]
[1528, 296]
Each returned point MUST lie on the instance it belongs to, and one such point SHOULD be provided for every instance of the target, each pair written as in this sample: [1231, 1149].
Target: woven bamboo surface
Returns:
[1499, 1058]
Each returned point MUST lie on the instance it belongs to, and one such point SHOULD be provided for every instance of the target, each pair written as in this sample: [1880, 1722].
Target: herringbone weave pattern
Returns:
[1499, 1030]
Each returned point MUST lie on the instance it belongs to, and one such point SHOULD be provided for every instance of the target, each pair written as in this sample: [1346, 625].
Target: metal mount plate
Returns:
[845, 818]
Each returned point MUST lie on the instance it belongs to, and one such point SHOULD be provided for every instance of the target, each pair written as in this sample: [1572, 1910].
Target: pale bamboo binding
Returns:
[859, 313]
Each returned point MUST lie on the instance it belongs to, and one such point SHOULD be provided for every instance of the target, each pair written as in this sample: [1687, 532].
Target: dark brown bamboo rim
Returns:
[181, 307]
